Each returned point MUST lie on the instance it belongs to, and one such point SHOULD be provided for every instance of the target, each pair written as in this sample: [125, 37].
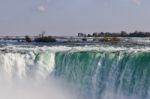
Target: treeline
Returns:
[107, 36]
[45, 39]
[41, 39]
[121, 34]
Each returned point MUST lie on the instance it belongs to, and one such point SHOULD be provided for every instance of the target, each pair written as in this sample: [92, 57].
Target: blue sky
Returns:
[68, 17]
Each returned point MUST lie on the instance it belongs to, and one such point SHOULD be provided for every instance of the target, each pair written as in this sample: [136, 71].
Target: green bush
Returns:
[28, 39]
[45, 39]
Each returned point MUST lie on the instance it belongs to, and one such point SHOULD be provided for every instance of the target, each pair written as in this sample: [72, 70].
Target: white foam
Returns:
[24, 76]
[54, 49]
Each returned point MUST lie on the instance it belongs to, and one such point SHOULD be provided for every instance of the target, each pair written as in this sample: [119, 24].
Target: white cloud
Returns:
[137, 2]
[41, 8]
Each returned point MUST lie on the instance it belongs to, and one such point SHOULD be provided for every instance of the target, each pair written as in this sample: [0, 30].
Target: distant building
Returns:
[81, 35]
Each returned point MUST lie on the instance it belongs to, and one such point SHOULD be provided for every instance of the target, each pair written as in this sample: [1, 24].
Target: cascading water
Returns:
[29, 76]
[94, 74]
[29, 65]
[107, 75]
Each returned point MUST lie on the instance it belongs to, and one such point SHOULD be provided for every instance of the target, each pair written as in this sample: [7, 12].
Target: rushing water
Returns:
[74, 72]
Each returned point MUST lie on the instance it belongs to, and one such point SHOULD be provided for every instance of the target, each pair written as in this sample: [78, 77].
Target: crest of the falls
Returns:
[94, 72]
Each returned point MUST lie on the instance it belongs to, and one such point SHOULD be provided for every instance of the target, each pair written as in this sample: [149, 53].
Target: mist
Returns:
[29, 89]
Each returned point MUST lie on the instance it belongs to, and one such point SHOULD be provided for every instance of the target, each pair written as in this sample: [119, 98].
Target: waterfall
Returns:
[106, 75]
[27, 65]
[29, 76]
[94, 74]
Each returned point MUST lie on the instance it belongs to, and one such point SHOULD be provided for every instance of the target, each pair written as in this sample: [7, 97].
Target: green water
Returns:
[106, 75]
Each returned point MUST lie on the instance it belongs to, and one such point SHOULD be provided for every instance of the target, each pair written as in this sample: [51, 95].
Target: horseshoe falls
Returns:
[74, 72]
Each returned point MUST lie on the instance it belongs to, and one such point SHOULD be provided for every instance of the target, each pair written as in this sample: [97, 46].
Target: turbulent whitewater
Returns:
[74, 72]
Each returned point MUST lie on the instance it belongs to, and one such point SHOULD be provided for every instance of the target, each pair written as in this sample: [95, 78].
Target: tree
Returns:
[45, 39]
[95, 34]
[123, 34]
[28, 39]
[89, 35]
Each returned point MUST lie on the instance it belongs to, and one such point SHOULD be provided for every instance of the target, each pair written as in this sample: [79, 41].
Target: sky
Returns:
[69, 17]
